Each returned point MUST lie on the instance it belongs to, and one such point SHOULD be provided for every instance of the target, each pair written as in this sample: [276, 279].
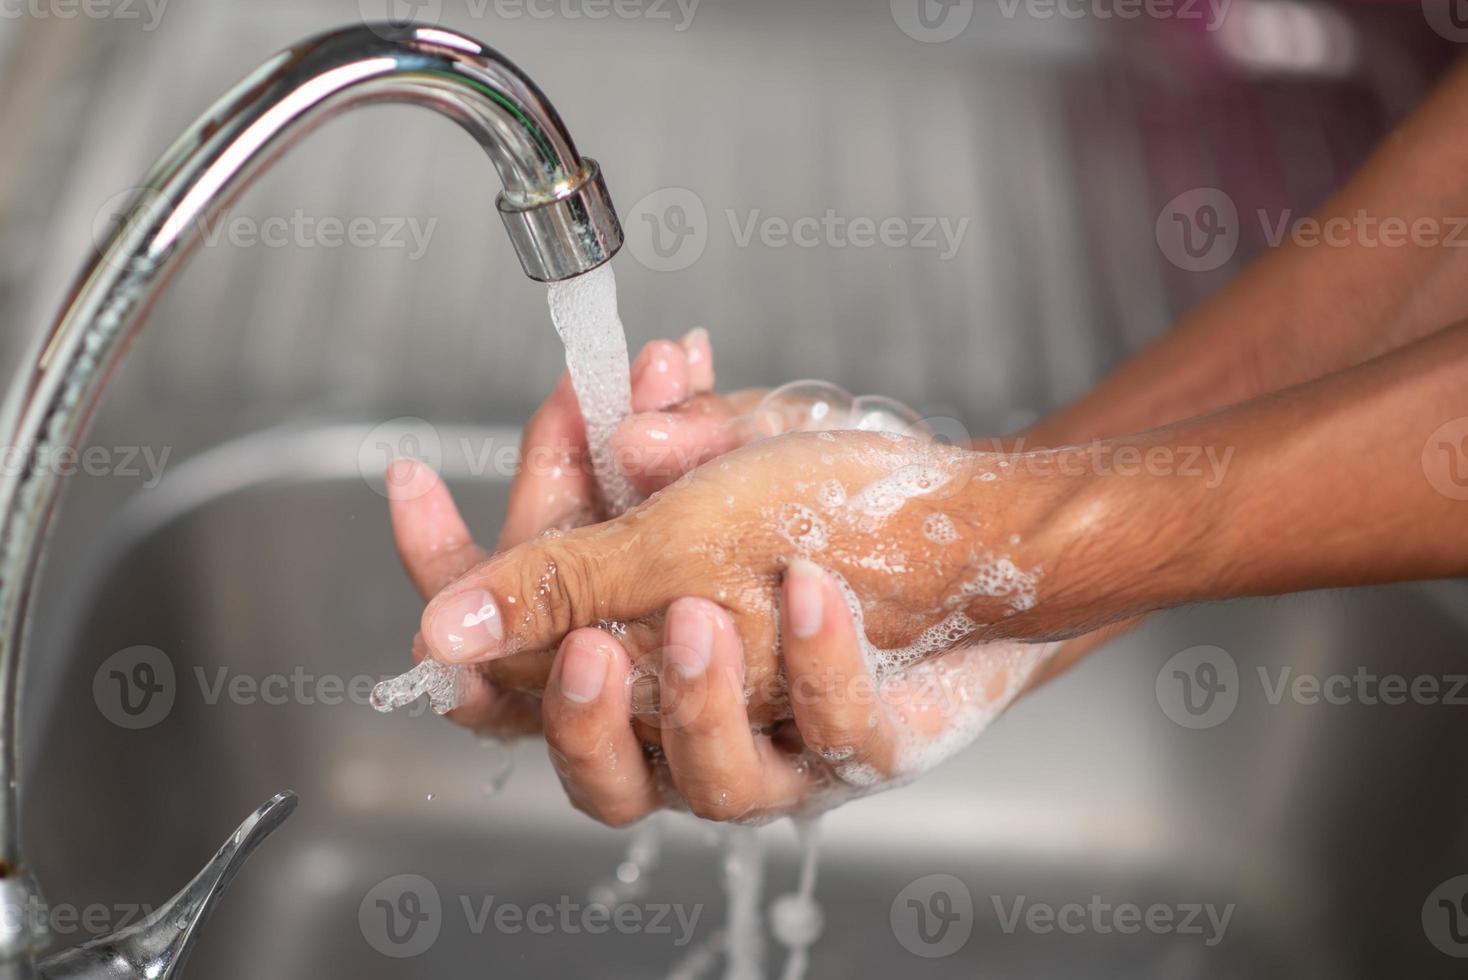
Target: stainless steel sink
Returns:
[1326, 827]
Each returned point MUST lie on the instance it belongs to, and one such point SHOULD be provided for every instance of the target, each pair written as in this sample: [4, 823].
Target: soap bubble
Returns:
[878, 413]
[803, 406]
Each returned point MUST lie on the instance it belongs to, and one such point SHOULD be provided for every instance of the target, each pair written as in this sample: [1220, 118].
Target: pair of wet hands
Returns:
[701, 650]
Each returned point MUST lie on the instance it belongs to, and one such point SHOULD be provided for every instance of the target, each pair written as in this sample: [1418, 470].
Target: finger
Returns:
[700, 353]
[552, 487]
[531, 596]
[659, 376]
[655, 449]
[587, 728]
[832, 694]
[721, 769]
[432, 539]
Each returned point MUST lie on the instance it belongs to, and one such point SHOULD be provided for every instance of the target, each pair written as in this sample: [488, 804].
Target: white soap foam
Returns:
[939, 529]
[887, 495]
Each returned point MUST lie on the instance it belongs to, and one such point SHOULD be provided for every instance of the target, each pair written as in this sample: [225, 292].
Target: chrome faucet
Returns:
[560, 219]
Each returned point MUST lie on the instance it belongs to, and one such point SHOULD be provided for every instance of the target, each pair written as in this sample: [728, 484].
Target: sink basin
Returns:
[262, 573]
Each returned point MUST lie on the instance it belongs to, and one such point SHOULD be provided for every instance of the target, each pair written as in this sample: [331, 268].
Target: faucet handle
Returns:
[156, 947]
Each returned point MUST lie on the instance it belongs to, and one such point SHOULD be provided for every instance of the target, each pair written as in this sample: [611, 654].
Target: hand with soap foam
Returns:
[932, 545]
[553, 490]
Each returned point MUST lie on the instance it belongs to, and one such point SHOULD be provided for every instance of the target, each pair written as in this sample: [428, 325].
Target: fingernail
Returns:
[466, 625]
[690, 639]
[583, 669]
[407, 479]
[804, 584]
[697, 346]
[650, 427]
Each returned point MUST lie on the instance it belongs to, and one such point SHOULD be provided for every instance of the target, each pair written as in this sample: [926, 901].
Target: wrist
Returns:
[1123, 530]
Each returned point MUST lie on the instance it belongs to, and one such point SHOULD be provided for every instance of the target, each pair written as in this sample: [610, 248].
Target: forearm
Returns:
[1332, 483]
[1304, 311]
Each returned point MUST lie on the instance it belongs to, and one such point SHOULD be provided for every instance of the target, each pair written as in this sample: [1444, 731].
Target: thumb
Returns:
[531, 596]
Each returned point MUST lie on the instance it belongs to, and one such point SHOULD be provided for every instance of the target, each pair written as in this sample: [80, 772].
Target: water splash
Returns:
[446, 687]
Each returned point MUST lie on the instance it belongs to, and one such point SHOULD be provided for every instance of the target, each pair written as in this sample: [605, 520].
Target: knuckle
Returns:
[563, 585]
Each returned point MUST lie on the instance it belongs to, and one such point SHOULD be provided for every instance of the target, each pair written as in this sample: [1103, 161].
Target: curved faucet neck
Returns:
[555, 207]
